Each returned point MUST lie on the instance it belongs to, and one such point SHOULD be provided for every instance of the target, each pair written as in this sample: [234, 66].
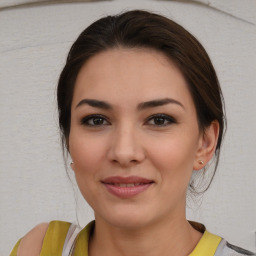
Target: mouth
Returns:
[126, 187]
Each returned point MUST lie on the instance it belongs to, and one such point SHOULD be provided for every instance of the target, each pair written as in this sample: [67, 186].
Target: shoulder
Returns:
[227, 249]
[32, 242]
[237, 250]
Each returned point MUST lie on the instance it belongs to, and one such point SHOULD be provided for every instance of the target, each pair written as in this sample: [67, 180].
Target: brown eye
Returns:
[161, 120]
[94, 120]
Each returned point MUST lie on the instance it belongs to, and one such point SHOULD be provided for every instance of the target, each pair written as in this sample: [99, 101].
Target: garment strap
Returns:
[70, 240]
[207, 245]
[54, 238]
[227, 249]
[220, 249]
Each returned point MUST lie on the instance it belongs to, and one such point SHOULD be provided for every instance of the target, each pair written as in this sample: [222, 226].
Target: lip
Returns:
[126, 187]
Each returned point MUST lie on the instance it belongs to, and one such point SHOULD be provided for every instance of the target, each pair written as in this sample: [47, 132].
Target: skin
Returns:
[129, 141]
[125, 140]
[31, 243]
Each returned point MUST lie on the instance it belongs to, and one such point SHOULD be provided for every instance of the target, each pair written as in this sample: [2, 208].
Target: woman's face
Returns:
[134, 137]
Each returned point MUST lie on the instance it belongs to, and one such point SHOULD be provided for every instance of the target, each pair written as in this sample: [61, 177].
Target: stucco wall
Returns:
[34, 40]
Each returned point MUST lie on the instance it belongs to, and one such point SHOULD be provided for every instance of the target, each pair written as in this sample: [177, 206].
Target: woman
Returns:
[140, 109]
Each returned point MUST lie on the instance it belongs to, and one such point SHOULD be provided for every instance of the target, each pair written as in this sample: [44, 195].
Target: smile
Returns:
[126, 187]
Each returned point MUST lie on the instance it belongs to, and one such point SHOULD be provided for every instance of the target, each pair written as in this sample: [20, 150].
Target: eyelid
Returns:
[170, 119]
[88, 117]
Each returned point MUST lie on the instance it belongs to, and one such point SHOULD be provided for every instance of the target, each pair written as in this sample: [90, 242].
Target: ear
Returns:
[72, 165]
[207, 145]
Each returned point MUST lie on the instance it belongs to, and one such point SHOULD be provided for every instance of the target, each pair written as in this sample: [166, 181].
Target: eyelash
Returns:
[170, 120]
[85, 120]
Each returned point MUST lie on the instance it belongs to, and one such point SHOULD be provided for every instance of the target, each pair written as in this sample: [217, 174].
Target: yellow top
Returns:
[57, 231]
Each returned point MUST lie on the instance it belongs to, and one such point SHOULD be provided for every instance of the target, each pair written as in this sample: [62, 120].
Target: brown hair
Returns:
[141, 29]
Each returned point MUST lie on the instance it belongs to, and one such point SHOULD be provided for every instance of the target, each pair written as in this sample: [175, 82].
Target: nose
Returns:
[126, 147]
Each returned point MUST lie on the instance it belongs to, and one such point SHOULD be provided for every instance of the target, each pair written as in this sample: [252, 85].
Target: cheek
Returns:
[87, 154]
[173, 152]
[173, 158]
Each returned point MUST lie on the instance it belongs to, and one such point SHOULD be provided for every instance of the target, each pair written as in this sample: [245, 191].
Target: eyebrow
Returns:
[157, 103]
[144, 105]
[94, 103]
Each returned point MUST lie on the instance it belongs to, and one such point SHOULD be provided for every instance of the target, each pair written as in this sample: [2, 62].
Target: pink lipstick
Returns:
[126, 187]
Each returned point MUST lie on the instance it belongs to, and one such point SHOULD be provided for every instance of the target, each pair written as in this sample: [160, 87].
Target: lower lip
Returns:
[126, 192]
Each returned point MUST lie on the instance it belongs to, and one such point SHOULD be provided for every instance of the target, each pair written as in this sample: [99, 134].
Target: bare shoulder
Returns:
[32, 242]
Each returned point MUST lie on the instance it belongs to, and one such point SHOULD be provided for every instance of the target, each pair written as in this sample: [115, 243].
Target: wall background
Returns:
[34, 41]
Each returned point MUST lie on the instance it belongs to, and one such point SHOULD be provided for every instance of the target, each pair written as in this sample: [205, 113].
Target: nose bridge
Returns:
[126, 147]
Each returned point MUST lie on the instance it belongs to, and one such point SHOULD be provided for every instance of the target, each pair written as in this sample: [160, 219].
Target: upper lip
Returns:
[126, 180]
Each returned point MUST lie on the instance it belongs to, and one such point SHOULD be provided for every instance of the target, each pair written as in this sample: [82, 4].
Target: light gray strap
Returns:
[226, 249]
[70, 239]
[220, 248]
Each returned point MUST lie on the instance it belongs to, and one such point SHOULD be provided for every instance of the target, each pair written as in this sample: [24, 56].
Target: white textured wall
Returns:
[34, 41]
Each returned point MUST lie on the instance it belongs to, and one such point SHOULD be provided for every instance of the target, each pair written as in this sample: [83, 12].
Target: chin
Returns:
[127, 219]
[129, 223]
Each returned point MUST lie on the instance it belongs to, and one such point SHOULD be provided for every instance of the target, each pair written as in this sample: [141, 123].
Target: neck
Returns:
[177, 237]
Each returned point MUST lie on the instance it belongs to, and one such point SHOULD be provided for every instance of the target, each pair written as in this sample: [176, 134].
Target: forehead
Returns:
[121, 74]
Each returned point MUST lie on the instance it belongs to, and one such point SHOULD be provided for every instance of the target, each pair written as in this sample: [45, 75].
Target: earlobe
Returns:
[207, 145]
[72, 167]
